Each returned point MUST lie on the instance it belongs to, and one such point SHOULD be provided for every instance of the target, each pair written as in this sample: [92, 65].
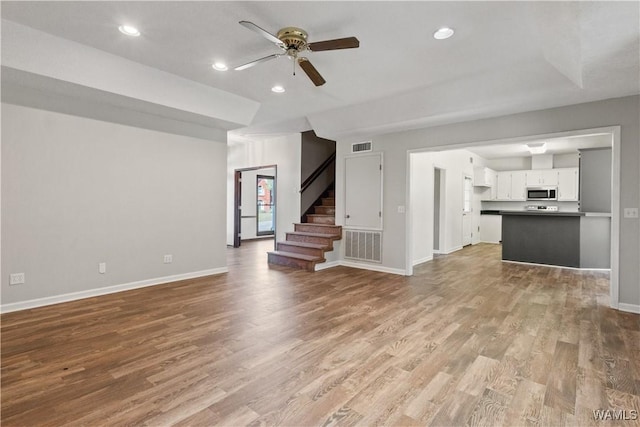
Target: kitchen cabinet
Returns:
[483, 177]
[518, 185]
[568, 179]
[491, 228]
[503, 186]
[542, 177]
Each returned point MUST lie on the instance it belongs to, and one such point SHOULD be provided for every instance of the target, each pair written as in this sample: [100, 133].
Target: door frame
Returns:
[466, 176]
[237, 194]
[273, 204]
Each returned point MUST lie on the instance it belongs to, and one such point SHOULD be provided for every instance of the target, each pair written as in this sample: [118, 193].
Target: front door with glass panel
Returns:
[265, 205]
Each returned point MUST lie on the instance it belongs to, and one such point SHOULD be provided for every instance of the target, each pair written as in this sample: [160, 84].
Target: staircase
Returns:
[305, 246]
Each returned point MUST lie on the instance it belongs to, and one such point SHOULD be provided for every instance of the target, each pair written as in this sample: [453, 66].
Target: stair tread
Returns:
[297, 255]
[305, 233]
[315, 214]
[318, 225]
[304, 244]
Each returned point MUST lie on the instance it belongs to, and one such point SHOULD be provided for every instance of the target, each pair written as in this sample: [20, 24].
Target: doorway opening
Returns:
[254, 204]
[575, 141]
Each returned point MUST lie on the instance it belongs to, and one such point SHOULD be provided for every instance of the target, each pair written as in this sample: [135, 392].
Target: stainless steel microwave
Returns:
[542, 193]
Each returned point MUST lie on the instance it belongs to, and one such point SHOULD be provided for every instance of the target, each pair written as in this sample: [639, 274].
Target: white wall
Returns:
[284, 152]
[456, 164]
[77, 192]
[249, 201]
[620, 111]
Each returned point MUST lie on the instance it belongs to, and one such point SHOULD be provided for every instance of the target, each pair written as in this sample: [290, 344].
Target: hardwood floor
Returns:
[466, 340]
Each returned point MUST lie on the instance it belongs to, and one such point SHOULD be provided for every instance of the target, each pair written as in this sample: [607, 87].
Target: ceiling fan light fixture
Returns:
[129, 30]
[220, 66]
[277, 89]
[443, 33]
[537, 148]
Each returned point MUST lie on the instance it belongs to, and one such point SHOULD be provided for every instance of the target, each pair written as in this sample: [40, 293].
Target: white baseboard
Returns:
[631, 308]
[450, 251]
[73, 296]
[372, 267]
[421, 260]
[326, 265]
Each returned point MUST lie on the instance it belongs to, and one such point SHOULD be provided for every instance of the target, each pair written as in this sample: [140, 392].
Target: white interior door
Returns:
[467, 204]
[363, 191]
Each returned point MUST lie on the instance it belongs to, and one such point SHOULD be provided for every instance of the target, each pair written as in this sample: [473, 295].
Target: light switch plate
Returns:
[631, 212]
[401, 209]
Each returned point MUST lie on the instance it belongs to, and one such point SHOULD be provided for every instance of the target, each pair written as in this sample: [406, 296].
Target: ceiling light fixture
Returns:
[277, 89]
[537, 148]
[220, 66]
[129, 30]
[443, 33]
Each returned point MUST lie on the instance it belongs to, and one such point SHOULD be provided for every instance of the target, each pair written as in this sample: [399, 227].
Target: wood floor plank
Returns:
[466, 340]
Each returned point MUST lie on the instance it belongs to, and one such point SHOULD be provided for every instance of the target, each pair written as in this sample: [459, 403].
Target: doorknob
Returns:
[347, 216]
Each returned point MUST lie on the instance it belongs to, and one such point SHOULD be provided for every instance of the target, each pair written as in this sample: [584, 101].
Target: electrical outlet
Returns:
[16, 278]
[102, 267]
[631, 212]
[168, 259]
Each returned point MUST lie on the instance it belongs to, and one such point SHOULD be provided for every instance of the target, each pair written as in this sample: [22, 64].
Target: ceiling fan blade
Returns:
[311, 71]
[264, 33]
[257, 61]
[345, 43]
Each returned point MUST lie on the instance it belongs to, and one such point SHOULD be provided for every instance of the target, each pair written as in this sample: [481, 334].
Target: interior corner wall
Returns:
[77, 192]
[623, 112]
[284, 152]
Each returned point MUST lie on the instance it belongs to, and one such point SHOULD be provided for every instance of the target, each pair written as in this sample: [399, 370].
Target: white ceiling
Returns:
[567, 145]
[505, 57]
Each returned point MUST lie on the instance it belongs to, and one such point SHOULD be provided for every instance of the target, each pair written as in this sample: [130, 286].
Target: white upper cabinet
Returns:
[542, 177]
[512, 185]
[518, 186]
[503, 186]
[568, 179]
[483, 177]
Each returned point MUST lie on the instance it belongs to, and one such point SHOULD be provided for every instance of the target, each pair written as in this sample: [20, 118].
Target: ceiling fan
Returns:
[293, 42]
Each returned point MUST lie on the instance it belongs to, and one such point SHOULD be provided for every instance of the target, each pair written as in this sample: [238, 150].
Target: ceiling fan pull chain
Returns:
[294, 66]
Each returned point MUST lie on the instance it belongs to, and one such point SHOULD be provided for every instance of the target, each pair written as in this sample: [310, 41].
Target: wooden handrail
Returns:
[316, 173]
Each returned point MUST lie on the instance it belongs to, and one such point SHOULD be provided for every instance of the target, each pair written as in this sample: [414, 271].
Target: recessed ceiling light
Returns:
[443, 33]
[220, 66]
[129, 30]
[277, 89]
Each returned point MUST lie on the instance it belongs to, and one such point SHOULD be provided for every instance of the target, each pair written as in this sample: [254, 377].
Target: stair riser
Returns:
[291, 262]
[328, 202]
[321, 220]
[326, 241]
[335, 230]
[324, 210]
[332, 193]
[283, 246]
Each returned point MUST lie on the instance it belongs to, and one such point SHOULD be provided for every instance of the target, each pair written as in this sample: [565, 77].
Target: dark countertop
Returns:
[489, 212]
[542, 213]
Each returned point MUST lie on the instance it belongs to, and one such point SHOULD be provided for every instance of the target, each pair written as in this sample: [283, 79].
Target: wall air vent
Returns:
[361, 147]
[363, 245]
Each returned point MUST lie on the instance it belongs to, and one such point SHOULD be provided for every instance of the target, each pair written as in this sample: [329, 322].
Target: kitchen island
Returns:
[566, 239]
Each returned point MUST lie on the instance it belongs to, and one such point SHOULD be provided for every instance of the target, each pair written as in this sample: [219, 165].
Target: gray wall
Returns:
[77, 191]
[314, 152]
[595, 180]
[620, 111]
